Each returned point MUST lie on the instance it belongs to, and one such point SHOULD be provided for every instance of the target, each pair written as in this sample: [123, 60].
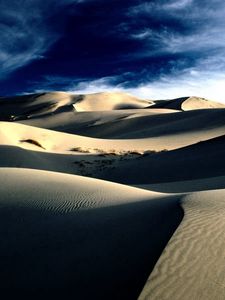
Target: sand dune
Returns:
[192, 265]
[202, 160]
[94, 238]
[74, 122]
[199, 122]
[61, 231]
[187, 103]
[40, 104]
[109, 101]
[186, 169]
[33, 105]
[170, 132]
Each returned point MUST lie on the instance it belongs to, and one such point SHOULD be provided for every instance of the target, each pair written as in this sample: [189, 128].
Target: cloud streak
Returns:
[188, 83]
[182, 27]
[194, 81]
[25, 33]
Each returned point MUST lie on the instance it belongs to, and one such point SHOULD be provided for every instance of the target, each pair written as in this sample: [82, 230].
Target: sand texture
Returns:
[192, 266]
[108, 196]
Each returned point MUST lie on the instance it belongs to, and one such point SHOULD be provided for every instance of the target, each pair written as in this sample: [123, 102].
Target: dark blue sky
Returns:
[153, 49]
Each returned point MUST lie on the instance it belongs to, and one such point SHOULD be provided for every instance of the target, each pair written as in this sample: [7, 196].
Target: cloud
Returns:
[79, 85]
[180, 4]
[187, 82]
[25, 33]
[179, 27]
[104, 84]
[190, 83]
[206, 79]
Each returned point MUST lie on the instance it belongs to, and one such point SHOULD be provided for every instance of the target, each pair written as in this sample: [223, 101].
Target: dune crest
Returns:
[61, 231]
[109, 101]
[187, 103]
[192, 265]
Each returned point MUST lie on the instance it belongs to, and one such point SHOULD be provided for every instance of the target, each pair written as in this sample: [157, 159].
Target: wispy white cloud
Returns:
[98, 85]
[78, 85]
[200, 27]
[178, 4]
[188, 82]
[25, 34]
[166, 41]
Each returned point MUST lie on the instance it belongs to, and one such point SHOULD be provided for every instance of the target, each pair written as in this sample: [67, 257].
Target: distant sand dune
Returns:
[32, 105]
[192, 123]
[188, 103]
[72, 121]
[42, 104]
[109, 101]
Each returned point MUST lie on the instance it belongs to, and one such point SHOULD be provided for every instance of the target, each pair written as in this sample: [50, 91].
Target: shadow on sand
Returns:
[101, 253]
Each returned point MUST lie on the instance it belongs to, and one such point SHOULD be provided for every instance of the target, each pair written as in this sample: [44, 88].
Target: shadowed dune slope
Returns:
[192, 185]
[33, 105]
[72, 122]
[151, 178]
[202, 160]
[62, 233]
[154, 125]
[44, 104]
[192, 265]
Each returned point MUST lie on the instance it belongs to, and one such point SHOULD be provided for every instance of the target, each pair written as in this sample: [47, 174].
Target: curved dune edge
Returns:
[64, 192]
[42, 104]
[187, 103]
[65, 233]
[192, 266]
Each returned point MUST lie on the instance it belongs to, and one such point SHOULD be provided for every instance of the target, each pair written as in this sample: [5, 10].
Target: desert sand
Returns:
[107, 196]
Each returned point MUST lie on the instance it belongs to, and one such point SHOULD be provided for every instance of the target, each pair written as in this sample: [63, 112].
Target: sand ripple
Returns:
[192, 266]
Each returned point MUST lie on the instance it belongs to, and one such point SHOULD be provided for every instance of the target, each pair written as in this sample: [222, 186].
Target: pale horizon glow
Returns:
[197, 84]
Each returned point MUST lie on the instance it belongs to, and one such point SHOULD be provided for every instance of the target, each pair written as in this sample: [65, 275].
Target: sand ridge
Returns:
[187, 103]
[192, 265]
[60, 231]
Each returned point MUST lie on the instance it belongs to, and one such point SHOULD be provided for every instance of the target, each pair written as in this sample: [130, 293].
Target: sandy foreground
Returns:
[107, 196]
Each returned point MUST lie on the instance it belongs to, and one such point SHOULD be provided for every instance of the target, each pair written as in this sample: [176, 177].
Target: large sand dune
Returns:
[68, 224]
[62, 233]
[109, 101]
[42, 104]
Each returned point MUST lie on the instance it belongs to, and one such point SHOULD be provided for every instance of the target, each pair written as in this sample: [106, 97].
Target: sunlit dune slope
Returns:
[192, 265]
[60, 231]
[43, 104]
[109, 101]
[188, 103]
